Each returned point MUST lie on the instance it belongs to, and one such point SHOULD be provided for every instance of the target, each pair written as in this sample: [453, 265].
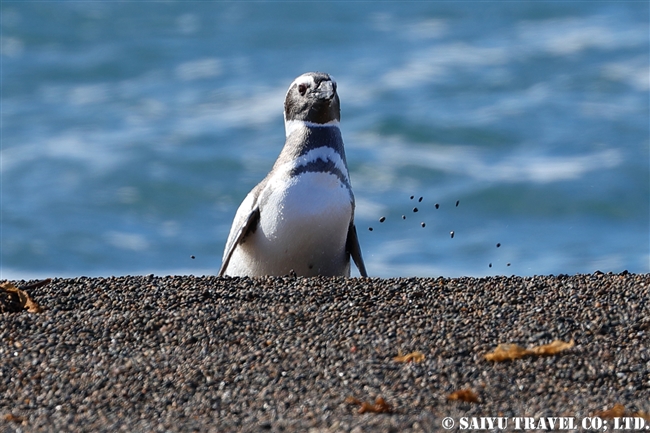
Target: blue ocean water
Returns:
[131, 131]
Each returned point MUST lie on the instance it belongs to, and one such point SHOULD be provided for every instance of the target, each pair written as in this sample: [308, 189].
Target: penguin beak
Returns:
[325, 90]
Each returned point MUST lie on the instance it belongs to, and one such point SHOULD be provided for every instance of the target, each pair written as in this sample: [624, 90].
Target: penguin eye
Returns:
[302, 88]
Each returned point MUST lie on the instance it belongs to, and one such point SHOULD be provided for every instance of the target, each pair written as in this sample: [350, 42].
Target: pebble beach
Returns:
[185, 353]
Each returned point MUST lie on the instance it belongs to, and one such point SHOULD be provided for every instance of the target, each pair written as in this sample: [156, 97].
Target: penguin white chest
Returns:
[303, 227]
[310, 205]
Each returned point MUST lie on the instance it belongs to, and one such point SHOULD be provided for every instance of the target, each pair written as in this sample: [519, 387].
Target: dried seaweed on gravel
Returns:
[10, 417]
[379, 406]
[464, 395]
[15, 300]
[507, 352]
[409, 357]
[616, 411]
[619, 411]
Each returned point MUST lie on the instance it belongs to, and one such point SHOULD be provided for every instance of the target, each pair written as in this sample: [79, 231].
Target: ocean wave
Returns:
[634, 72]
[569, 36]
[436, 62]
[480, 165]
[561, 37]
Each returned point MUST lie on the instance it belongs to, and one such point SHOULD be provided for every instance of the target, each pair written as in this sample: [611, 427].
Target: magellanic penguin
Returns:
[300, 218]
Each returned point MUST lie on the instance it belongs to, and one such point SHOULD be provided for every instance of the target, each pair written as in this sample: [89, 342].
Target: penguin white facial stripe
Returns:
[290, 126]
[308, 79]
[303, 79]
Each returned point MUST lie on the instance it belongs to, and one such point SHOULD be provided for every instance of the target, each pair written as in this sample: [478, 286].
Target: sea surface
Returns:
[131, 131]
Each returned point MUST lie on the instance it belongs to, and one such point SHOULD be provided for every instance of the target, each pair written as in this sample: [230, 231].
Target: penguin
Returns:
[300, 217]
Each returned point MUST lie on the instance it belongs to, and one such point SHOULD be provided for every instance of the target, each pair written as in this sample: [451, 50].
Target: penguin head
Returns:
[312, 98]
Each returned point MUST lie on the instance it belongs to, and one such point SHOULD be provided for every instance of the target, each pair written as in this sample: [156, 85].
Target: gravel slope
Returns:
[188, 353]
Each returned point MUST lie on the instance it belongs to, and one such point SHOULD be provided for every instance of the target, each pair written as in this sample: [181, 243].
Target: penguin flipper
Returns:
[353, 247]
[248, 225]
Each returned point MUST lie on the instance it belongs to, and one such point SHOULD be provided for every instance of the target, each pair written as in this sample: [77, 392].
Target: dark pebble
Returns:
[498, 245]
[490, 265]
[403, 217]
[423, 224]
[192, 257]
[382, 219]
[452, 234]
[420, 199]
[412, 197]
[415, 209]
[437, 205]
[457, 203]
[185, 353]
[370, 228]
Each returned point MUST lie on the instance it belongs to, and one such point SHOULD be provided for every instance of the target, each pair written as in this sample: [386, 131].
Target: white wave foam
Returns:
[188, 24]
[410, 29]
[474, 163]
[569, 36]
[383, 261]
[437, 61]
[198, 69]
[89, 94]
[262, 107]
[367, 209]
[633, 72]
[95, 149]
[427, 29]
[555, 36]
[12, 46]
[613, 109]
[127, 241]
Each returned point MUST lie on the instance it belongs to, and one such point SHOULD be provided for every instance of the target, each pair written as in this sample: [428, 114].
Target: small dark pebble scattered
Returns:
[423, 224]
[420, 199]
[192, 257]
[403, 217]
[370, 228]
[437, 205]
[507, 264]
[457, 203]
[412, 197]
[490, 265]
[498, 245]
[185, 353]
[452, 234]
[415, 209]
[382, 219]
